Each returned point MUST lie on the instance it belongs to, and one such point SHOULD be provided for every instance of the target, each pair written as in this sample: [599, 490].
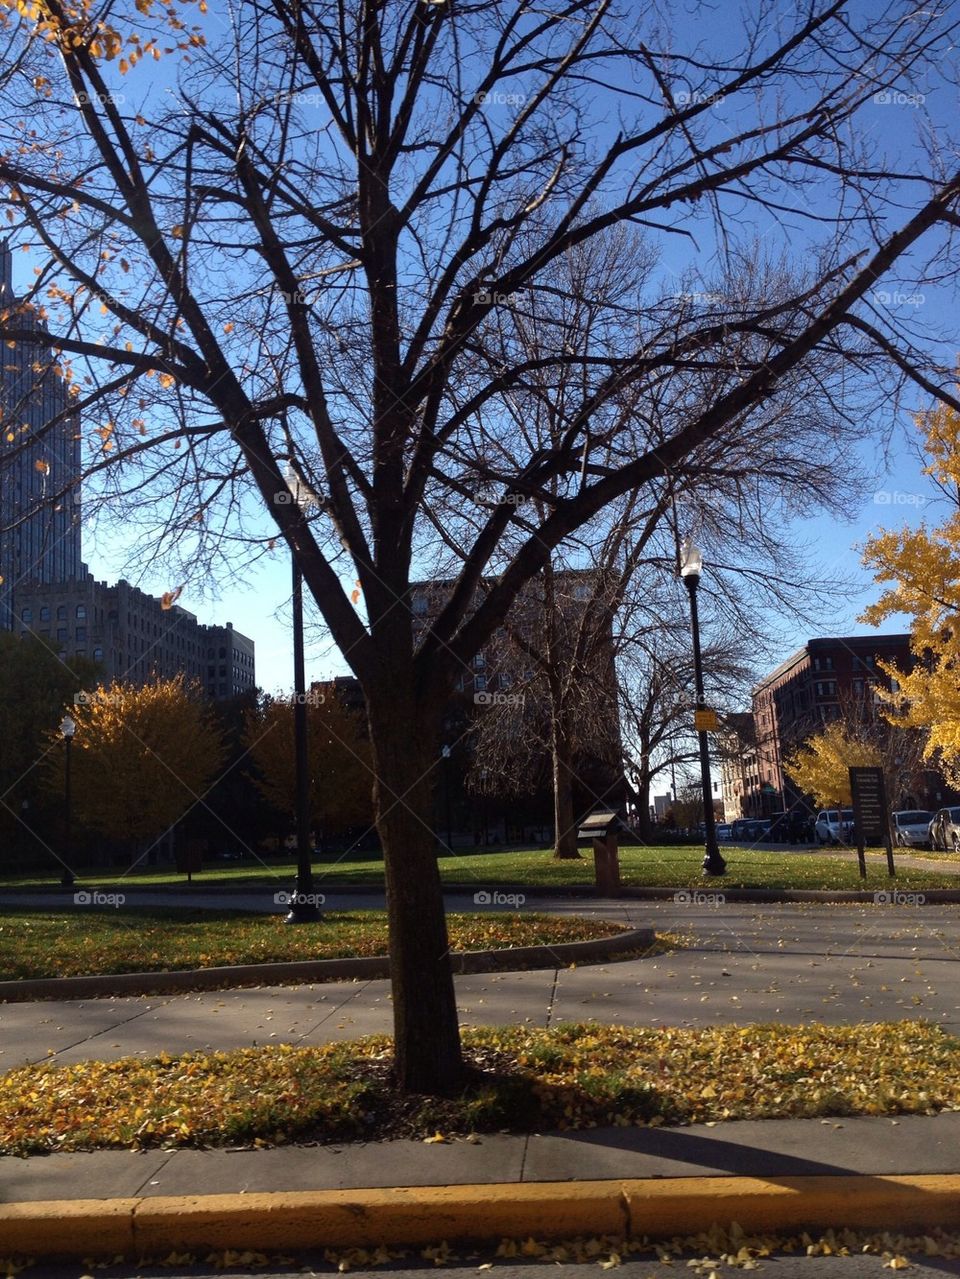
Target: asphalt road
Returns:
[777, 1266]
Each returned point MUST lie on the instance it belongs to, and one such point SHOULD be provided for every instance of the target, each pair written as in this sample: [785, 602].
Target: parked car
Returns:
[911, 827]
[834, 826]
[757, 829]
[944, 830]
[723, 830]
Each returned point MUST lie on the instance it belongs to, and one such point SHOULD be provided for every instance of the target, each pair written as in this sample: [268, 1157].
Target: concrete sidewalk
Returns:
[774, 1148]
[773, 1177]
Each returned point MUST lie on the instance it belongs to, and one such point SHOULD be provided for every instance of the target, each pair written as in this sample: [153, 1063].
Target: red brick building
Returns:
[803, 694]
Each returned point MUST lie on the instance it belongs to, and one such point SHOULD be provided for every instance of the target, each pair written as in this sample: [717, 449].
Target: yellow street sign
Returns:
[705, 721]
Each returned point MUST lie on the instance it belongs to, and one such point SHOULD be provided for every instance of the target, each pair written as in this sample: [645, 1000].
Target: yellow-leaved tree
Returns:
[819, 767]
[142, 757]
[341, 769]
[921, 570]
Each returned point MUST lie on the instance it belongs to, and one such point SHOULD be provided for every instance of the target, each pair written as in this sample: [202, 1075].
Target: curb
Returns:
[661, 1208]
[320, 970]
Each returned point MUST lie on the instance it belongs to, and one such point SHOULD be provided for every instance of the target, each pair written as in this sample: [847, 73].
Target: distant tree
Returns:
[142, 757]
[859, 739]
[657, 703]
[340, 763]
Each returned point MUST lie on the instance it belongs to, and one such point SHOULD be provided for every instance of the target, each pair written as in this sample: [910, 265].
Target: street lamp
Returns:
[68, 727]
[691, 566]
[303, 908]
[445, 754]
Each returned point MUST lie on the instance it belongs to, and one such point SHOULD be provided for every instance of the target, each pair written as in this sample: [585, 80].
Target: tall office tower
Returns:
[39, 466]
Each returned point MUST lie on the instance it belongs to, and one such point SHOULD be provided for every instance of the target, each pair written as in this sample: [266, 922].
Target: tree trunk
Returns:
[564, 827]
[425, 1022]
[643, 825]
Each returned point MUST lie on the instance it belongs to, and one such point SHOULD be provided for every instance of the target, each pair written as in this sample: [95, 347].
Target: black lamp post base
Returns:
[714, 863]
[67, 880]
[304, 908]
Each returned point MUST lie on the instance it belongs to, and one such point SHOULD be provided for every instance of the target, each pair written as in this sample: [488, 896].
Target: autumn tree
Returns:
[302, 254]
[861, 737]
[920, 570]
[340, 767]
[142, 757]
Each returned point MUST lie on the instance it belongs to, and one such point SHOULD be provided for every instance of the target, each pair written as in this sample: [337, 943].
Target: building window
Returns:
[62, 613]
[480, 662]
[45, 614]
[81, 612]
[61, 633]
[26, 615]
[480, 683]
[81, 636]
[98, 654]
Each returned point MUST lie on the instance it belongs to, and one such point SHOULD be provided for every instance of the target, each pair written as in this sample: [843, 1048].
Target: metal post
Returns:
[67, 879]
[713, 862]
[446, 795]
[303, 909]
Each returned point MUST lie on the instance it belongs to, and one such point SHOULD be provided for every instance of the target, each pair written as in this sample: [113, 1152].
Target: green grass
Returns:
[527, 1080]
[87, 942]
[652, 866]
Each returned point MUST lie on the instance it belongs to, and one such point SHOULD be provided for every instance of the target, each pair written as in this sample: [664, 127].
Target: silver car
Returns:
[911, 827]
[944, 830]
[834, 826]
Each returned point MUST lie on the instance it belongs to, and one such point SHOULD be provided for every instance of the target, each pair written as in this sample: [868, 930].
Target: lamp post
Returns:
[68, 727]
[445, 754]
[303, 907]
[691, 566]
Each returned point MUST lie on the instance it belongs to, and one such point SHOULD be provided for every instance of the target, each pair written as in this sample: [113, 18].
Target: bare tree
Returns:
[301, 254]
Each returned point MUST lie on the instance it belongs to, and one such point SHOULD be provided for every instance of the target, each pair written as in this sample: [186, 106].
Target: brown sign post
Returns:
[870, 814]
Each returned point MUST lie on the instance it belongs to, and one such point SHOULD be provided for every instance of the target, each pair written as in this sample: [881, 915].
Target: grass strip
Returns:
[85, 942]
[653, 866]
[568, 1077]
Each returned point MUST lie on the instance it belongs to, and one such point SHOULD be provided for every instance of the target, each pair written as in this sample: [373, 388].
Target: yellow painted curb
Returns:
[658, 1208]
[358, 1218]
[68, 1228]
[684, 1205]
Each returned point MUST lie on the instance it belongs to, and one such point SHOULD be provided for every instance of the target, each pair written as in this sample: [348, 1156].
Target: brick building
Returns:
[803, 694]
